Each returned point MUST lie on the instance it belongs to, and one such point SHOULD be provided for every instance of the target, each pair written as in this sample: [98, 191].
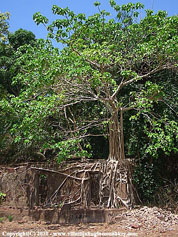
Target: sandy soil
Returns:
[23, 228]
[144, 221]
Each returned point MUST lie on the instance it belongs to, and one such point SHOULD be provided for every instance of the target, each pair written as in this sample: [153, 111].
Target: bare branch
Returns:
[96, 65]
[118, 89]
[140, 77]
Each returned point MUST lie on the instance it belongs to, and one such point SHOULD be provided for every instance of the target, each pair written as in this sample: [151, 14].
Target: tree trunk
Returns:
[115, 185]
[116, 137]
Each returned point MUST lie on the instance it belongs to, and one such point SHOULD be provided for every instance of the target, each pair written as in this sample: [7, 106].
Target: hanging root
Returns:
[115, 186]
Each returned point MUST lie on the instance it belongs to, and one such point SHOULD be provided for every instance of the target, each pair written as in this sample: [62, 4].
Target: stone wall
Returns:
[26, 187]
[49, 192]
[14, 183]
[37, 184]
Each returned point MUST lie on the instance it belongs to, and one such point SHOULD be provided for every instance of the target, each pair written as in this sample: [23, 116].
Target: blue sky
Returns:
[22, 10]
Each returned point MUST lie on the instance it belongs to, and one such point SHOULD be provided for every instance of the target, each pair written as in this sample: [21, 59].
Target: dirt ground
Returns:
[23, 228]
[142, 221]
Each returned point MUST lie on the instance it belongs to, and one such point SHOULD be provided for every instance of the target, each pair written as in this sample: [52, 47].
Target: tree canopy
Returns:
[106, 56]
[21, 37]
[4, 25]
[9, 69]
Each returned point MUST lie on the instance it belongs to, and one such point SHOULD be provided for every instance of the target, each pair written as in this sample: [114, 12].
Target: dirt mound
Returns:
[147, 218]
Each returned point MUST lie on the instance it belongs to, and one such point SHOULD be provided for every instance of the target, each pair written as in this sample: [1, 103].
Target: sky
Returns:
[22, 10]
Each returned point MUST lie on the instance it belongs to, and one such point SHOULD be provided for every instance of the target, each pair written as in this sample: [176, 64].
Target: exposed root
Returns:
[115, 188]
[114, 182]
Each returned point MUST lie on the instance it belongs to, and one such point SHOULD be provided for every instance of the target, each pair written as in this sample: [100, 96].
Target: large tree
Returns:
[105, 56]
[108, 66]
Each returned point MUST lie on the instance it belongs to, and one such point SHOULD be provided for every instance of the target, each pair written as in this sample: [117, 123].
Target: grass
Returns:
[10, 218]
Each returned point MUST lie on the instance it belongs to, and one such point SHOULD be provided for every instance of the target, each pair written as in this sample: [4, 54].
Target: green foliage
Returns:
[9, 68]
[146, 179]
[97, 4]
[162, 144]
[4, 25]
[40, 19]
[8, 57]
[10, 218]
[2, 197]
[163, 136]
[43, 176]
[70, 149]
[21, 37]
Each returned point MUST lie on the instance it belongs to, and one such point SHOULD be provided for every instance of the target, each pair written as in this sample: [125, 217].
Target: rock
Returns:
[136, 226]
[149, 218]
